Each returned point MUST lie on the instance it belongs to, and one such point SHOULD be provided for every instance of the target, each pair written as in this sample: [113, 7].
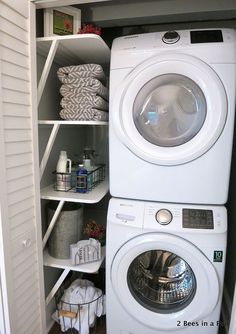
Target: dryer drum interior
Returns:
[169, 110]
[161, 281]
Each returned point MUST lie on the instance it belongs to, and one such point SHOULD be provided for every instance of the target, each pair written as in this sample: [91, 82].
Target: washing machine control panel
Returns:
[197, 218]
[164, 216]
[171, 37]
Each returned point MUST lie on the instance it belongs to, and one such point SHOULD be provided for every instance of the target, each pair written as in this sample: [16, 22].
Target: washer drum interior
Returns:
[161, 281]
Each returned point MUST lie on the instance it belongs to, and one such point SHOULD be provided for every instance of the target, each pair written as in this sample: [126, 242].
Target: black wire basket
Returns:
[68, 181]
[79, 318]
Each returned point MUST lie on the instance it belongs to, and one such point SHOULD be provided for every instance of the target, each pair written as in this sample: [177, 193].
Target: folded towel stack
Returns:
[84, 93]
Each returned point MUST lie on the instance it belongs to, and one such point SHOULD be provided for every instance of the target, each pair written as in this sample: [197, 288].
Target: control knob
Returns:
[171, 37]
[164, 217]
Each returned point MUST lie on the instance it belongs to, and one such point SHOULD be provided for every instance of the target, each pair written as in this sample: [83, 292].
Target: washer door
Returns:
[161, 279]
[170, 109]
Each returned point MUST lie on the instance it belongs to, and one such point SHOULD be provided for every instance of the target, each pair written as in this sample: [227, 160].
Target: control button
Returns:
[171, 37]
[164, 216]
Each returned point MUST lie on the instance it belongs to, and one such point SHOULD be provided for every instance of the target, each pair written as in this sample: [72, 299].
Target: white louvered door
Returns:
[20, 236]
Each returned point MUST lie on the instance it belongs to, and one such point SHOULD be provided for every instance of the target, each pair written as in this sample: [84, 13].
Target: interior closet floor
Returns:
[100, 328]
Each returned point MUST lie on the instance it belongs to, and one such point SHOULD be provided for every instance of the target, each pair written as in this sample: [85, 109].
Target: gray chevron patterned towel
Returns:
[77, 113]
[71, 74]
[85, 85]
[85, 100]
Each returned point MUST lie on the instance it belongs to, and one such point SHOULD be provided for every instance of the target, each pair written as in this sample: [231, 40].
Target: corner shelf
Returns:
[49, 261]
[68, 50]
[56, 124]
[79, 48]
[91, 267]
[62, 122]
[93, 196]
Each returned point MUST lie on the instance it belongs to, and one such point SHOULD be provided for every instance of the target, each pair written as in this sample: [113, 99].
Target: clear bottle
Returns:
[81, 179]
[88, 158]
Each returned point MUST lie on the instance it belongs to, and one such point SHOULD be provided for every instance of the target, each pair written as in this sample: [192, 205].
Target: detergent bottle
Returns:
[63, 172]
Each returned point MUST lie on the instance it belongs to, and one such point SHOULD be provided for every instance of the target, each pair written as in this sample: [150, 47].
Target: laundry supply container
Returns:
[67, 229]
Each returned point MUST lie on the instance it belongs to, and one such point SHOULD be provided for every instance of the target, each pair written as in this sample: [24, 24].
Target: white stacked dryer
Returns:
[172, 105]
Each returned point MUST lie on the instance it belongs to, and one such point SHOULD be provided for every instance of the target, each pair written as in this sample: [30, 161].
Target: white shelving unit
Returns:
[65, 51]
[56, 125]
[93, 196]
[74, 123]
[69, 50]
[91, 267]
[49, 261]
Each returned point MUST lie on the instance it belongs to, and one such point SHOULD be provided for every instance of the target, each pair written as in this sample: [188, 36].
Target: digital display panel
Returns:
[206, 36]
[198, 219]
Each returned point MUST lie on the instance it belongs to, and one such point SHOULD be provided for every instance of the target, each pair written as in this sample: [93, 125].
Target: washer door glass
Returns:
[161, 281]
[169, 110]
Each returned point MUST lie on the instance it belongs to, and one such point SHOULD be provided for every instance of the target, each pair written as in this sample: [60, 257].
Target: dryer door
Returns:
[170, 109]
[163, 280]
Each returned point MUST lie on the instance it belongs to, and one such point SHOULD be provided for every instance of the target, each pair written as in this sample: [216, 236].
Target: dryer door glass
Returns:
[169, 110]
[161, 281]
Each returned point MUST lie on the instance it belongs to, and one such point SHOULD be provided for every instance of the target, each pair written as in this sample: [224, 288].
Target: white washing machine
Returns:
[172, 105]
[164, 267]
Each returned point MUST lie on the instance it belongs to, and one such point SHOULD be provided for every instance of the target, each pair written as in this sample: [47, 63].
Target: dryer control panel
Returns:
[196, 36]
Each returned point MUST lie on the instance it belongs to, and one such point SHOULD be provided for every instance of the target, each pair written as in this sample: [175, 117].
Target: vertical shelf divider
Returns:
[48, 148]
[47, 67]
[52, 222]
[57, 285]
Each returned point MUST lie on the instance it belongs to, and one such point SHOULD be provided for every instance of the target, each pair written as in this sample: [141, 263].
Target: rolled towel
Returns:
[85, 85]
[71, 74]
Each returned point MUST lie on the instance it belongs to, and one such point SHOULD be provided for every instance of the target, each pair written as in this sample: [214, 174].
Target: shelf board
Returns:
[75, 49]
[62, 122]
[93, 196]
[91, 267]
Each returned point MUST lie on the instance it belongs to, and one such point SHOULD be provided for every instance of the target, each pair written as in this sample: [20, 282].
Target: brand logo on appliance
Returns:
[218, 256]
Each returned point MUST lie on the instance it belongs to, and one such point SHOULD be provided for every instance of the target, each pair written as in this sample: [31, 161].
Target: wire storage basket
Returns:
[63, 181]
[79, 318]
[79, 303]
[68, 181]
